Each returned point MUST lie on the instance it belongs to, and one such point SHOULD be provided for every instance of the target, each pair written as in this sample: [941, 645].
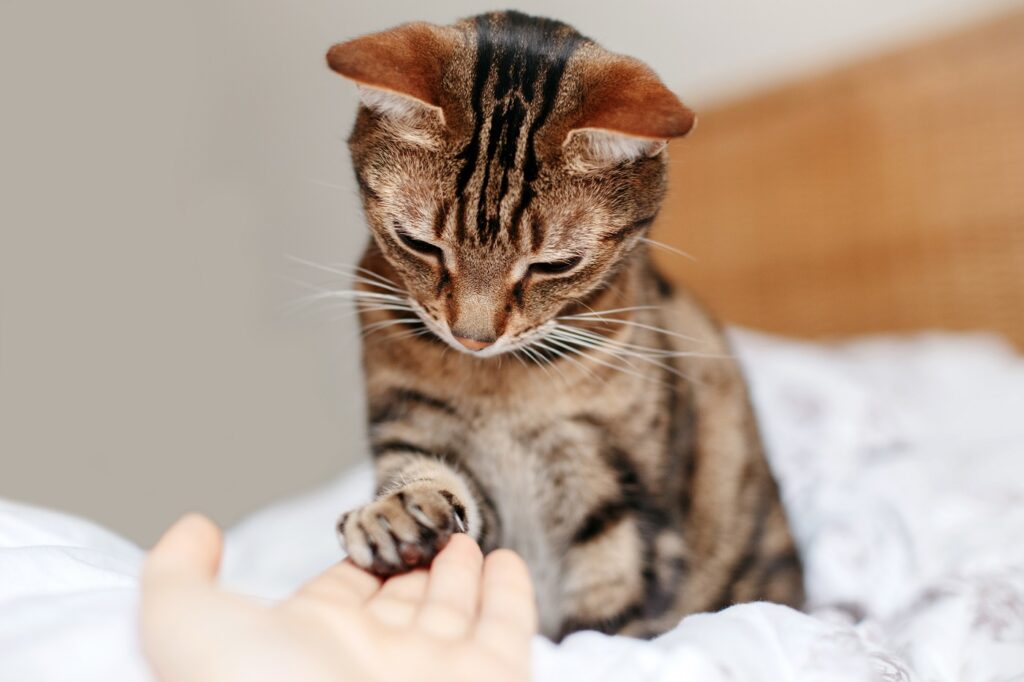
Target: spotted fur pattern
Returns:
[531, 379]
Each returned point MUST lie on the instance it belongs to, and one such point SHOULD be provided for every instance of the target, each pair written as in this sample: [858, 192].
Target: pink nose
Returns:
[473, 344]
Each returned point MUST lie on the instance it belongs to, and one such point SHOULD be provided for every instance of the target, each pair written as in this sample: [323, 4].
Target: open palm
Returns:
[466, 619]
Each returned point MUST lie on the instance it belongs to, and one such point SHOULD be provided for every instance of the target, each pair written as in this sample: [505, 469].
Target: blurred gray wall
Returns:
[157, 162]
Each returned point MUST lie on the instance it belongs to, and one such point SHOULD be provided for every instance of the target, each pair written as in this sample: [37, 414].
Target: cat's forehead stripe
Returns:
[520, 62]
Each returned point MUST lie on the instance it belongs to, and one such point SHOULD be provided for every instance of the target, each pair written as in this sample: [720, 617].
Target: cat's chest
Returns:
[544, 478]
[528, 463]
[546, 467]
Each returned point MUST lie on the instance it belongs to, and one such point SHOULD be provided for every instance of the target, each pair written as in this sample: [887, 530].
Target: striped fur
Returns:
[617, 453]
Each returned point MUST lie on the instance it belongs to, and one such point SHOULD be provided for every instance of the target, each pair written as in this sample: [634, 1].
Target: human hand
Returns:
[466, 619]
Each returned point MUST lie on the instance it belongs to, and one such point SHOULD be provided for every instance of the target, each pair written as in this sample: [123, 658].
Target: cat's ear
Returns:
[399, 71]
[627, 112]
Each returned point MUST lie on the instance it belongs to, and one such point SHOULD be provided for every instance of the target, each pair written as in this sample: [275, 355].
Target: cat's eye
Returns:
[556, 267]
[418, 245]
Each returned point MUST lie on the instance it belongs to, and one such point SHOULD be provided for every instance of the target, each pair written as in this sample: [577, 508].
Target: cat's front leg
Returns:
[421, 502]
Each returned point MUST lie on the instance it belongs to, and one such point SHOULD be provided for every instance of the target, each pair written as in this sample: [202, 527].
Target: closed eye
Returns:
[556, 267]
[419, 246]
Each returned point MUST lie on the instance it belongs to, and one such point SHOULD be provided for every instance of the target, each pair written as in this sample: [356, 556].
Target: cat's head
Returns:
[507, 165]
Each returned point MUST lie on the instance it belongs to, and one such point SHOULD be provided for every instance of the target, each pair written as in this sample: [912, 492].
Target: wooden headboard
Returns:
[887, 196]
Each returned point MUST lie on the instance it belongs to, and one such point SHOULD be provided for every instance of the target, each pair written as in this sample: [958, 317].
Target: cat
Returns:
[532, 379]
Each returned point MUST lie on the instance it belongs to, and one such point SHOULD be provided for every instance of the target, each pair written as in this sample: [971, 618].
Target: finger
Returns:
[508, 610]
[179, 573]
[343, 584]
[188, 553]
[398, 600]
[451, 600]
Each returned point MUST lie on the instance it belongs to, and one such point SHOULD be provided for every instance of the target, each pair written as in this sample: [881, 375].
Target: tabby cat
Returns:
[532, 380]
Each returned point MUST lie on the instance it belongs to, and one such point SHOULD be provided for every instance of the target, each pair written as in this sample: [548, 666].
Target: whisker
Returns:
[356, 295]
[566, 356]
[576, 332]
[631, 348]
[601, 344]
[600, 313]
[515, 354]
[589, 344]
[322, 293]
[535, 359]
[554, 365]
[669, 248]
[633, 323]
[353, 296]
[540, 344]
[409, 334]
[592, 358]
[383, 308]
[345, 270]
[368, 308]
[314, 265]
[357, 269]
[384, 324]
[359, 279]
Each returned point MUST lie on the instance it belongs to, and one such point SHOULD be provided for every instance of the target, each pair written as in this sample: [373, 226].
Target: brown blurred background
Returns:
[883, 196]
[858, 167]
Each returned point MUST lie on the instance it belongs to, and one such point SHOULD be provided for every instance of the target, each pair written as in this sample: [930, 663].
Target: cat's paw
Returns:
[401, 531]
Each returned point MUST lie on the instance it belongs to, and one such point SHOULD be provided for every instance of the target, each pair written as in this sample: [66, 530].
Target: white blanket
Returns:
[902, 467]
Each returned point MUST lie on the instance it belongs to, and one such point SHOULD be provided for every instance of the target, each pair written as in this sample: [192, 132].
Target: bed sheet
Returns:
[901, 463]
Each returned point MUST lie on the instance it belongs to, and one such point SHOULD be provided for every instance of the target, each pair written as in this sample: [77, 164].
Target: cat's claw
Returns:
[401, 531]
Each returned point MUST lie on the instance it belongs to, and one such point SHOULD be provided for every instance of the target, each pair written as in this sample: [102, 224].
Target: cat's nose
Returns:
[473, 344]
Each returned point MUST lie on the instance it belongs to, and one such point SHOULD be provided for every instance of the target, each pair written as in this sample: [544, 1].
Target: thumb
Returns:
[188, 552]
[177, 585]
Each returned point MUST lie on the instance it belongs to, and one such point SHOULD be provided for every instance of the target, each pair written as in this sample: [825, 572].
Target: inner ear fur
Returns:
[627, 112]
[591, 148]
